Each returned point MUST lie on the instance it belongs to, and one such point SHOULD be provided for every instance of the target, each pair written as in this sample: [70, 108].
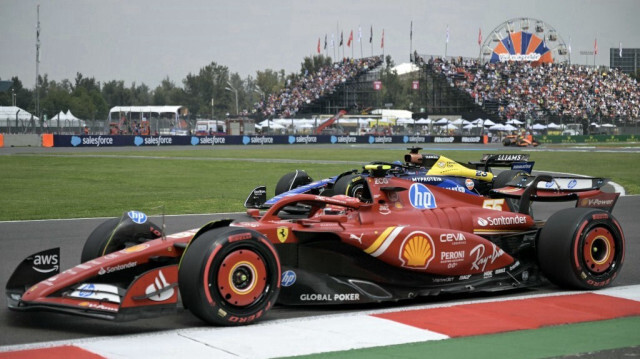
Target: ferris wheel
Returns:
[524, 39]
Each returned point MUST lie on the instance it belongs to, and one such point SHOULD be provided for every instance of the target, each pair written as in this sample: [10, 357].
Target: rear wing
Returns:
[516, 161]
[586, 191]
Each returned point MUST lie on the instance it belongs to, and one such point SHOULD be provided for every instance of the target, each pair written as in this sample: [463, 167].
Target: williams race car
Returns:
[473, 178]
[411, 240]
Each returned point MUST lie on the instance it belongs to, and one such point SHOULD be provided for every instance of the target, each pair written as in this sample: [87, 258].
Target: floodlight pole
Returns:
[233, 89]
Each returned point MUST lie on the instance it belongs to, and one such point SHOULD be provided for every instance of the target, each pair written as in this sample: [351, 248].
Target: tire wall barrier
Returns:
[131, 140]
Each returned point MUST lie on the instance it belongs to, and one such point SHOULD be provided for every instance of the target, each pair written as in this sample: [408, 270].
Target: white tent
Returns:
[553, 125]
[442, 121]
[514, 122]
[538, 126]
[509, 127]
[497, 127]
[450, 126]
[477, 121]
[8, 116]
[404, 121]
[424, 121]
[461, 121]
[488, 122]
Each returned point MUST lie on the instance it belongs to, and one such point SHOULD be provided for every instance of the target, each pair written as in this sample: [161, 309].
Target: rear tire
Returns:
[581, 248]
[229, 276]
[353, 185]
[292, 180]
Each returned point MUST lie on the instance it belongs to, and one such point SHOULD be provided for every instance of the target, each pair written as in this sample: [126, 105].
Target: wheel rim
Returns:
[358, 191]
[599, 250]
[242, 277]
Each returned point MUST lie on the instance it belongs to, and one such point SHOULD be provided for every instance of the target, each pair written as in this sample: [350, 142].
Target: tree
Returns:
[314, 64]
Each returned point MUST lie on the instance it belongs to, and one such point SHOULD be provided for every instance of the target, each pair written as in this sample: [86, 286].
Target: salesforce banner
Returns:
[138, 141]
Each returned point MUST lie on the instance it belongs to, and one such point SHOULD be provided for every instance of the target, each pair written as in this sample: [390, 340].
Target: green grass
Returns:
[92, 184]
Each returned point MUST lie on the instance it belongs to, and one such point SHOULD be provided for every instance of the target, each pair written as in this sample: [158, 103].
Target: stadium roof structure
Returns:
[146, 109]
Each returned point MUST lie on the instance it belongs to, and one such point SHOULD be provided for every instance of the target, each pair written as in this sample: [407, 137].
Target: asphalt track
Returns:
[21, 238]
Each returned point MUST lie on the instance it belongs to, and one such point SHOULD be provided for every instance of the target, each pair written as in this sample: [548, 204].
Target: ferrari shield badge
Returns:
[283, 234]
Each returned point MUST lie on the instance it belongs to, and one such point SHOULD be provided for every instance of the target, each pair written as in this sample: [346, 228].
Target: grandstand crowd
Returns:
[312, 86]
[521, 89]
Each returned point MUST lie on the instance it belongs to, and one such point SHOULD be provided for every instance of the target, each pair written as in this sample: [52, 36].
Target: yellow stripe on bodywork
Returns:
[378, 242]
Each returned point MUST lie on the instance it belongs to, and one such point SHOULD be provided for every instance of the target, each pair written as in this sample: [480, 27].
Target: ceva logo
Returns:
[138, 140]
[195, 140]
[75, 141]
[246, 140]
[420, 197]
[334, 139]
[292, 140]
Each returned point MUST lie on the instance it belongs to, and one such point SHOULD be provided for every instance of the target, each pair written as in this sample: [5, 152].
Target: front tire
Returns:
[229, 276]
[292, 180]
[501, 180]
[106, 239]
[353, 185]
[581, 248]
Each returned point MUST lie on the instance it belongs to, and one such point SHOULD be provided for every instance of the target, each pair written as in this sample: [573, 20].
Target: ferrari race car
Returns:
[473, 177]
[411, 240]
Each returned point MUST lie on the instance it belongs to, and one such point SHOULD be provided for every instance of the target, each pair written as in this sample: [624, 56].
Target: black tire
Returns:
[292, 180]
[353, 185]
[506, 142]
[501, 180]
[219, 266]
[102, 240]
[581, 248]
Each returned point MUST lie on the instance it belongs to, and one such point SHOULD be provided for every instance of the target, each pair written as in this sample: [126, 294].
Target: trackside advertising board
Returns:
[137, 141]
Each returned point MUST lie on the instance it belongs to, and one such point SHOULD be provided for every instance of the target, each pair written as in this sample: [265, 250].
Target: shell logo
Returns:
[417, 251]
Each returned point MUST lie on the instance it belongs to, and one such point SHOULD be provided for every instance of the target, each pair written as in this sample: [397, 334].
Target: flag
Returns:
[382, 42]
[318, 45]
[411, 31]
[479, 36]
[620, 53]
[569, 47]
[340, 39]
[371, 35]
[350, 39]
[359, 33]
[447, 34]
[333, 42]
[595, 46]
[325, 41]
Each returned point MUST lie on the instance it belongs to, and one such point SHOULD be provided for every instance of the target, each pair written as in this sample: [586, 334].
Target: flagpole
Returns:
[38, 66]
[411, 42]
[360, 39]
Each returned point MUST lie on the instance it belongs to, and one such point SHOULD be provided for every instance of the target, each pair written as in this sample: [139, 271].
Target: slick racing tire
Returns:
[501, 180]
[229, 276]
[506, 142]
[292, 180]
[104, 239]
[581, 248]
[353, 185]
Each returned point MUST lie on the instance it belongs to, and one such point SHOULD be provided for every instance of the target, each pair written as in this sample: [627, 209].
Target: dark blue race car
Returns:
[473, 177]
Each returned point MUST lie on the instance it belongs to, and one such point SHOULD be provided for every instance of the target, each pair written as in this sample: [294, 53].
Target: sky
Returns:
[146, 41]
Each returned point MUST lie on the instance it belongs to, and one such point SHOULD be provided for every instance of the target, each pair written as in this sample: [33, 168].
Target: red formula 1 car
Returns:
[412, 240]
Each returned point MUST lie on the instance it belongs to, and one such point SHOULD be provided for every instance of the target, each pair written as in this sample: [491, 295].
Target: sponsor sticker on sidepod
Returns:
[420, 197]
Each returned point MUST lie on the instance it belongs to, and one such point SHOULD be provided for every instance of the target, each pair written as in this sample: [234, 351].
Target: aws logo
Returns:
[46, 263]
